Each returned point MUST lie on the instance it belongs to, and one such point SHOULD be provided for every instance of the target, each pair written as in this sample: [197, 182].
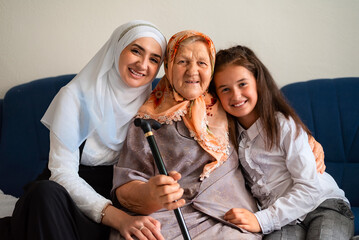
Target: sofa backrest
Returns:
[330, 108]
[1, 103]
[24, 140]
[24, 143]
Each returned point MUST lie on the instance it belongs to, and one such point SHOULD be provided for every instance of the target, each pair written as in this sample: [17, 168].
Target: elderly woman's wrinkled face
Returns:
[192, 70]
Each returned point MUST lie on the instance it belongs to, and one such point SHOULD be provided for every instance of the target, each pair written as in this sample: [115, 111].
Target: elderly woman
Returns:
[194, 140]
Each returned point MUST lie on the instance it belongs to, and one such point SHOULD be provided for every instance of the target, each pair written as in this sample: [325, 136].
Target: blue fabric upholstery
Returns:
[330, 108]
[1, 103]
[24, 144]
[24, 141]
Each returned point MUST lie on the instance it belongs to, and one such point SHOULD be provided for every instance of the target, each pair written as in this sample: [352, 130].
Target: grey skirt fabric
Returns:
[331, 220]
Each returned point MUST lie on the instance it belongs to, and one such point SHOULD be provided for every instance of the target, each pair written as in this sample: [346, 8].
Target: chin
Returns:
[191, 96]
[136, 83]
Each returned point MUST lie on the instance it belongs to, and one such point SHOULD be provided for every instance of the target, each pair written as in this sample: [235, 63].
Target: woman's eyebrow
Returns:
[142, 49]
[156, 55]
[204, 59]
[139, 46]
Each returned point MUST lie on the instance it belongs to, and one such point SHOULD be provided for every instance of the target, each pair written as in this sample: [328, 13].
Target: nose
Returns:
[143, 63]
[192, 69]
[237, 94]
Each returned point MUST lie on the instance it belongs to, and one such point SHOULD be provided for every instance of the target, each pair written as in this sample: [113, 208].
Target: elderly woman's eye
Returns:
[203, 64]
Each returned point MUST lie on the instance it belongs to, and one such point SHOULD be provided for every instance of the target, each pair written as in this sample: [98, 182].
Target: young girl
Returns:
[277, 160]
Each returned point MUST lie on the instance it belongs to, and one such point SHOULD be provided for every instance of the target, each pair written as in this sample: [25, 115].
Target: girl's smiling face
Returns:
[237, 90]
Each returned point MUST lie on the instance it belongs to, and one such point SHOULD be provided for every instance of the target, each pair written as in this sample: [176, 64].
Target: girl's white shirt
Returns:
[96, 106]
[284, 180]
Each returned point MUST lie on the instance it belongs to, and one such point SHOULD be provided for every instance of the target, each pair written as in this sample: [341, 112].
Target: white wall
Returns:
[297, 40]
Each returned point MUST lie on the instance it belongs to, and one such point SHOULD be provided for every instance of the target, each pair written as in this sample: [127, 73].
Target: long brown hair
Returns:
[270, 98]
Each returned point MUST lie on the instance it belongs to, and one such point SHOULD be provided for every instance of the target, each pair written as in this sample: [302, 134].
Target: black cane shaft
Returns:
[157, 155]
[162, 170]
[182, 224]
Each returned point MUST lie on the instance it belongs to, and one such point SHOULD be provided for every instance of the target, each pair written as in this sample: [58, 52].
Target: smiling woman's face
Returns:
[139, 61]
[192, 70]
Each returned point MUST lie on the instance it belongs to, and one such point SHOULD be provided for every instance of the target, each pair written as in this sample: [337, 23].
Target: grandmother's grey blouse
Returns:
[284, 180]
[206, 201]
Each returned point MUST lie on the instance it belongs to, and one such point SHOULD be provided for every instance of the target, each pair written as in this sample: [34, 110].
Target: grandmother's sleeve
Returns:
[135, 161]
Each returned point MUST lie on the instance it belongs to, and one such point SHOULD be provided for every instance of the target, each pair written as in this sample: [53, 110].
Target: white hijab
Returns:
[97, 98]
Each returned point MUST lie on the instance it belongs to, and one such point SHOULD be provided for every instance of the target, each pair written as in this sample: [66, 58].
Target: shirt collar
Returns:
[252, 132]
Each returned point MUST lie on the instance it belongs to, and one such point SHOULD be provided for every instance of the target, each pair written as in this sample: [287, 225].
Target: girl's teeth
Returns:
[240, 104]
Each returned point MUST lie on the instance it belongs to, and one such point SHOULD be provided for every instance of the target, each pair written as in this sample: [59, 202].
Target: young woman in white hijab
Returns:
[93, 111]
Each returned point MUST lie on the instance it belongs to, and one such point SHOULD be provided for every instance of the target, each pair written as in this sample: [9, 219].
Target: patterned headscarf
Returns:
[204, 116]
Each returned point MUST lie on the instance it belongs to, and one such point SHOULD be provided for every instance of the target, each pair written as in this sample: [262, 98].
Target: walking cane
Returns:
[146, 126]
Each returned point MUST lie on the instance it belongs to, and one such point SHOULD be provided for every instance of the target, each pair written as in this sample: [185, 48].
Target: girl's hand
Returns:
[318, 154]
[165, 190]
[244, 219]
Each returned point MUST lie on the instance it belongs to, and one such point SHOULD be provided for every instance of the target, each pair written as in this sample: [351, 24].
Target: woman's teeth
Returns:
[136, 73]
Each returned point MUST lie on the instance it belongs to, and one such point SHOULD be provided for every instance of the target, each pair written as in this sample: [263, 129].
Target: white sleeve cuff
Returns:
[267, 221]
[97, 210]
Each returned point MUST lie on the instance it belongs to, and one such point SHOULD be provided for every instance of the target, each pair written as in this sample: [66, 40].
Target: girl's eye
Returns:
[224, 90]
[242, 84]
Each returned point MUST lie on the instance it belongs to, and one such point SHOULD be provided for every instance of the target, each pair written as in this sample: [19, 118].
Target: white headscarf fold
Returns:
[97, 98]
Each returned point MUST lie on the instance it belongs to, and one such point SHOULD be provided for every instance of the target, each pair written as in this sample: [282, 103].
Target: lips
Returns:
[239, 104]
[138, 74]
[190, 82]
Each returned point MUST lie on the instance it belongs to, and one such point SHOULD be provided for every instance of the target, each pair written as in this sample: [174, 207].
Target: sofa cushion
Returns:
[330, 108]
[1, 103]
[24, 140]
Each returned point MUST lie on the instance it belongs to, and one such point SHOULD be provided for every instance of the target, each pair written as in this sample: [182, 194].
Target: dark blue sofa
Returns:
[24, 141]
[329, 107]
